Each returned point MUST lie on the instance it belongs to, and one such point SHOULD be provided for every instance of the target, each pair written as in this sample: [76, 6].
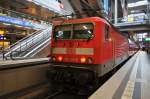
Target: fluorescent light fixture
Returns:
[17, 26]
[139, 3]
[6, 24]
[29, 0]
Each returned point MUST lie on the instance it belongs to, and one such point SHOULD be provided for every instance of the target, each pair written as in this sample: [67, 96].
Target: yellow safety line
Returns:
[128, 92]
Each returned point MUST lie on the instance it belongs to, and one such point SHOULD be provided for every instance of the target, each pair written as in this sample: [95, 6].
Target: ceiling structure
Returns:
[28, 8]
[82, 8]
[89, 8]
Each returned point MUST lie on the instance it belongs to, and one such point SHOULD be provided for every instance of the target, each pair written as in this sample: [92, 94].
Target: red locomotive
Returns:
[83, 50]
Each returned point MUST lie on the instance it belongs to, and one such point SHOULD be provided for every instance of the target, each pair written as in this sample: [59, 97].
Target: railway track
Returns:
[65, 95]
[69, 95]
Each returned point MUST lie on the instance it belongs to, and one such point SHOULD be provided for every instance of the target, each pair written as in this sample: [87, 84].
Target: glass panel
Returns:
[83, 31]
[63, 32]
[75, 31]
[106, 32]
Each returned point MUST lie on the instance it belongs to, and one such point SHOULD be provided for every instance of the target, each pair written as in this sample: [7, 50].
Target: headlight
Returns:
[59, 58]
[83, 60]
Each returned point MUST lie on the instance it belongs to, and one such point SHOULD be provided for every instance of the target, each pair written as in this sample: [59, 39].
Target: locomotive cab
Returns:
[73, 43]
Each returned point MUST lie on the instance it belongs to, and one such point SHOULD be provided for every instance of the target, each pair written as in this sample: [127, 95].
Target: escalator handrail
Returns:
[38, 43]
[37, 48]
[24, 44]
[41, 42]
[31, 48]
[34, 33]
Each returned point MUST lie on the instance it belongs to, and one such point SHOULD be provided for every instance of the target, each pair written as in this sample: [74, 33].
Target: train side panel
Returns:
[121, 47]
[114, 49]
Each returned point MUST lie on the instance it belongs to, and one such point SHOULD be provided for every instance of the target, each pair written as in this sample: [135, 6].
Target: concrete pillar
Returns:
[116, 11]
[148, 11]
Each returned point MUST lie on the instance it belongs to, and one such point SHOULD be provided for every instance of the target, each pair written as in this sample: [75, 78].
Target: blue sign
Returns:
[2, 37]
[16, 21]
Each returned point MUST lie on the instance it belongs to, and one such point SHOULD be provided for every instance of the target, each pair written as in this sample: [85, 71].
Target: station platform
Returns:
[9, 64]
[130, 82]
[20, 78]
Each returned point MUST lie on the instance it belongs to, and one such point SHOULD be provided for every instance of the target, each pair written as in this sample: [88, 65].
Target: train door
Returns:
[113, 50]
[107, 45]
[111, 40]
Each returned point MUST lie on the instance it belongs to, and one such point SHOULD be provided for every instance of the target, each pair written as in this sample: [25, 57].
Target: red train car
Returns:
[147, 45]
[85, 49]
[133, 47]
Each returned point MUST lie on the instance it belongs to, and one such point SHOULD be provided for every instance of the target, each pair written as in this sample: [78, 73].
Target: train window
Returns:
[62, 32]
[83, 31]
[74, 31]
[106, 32]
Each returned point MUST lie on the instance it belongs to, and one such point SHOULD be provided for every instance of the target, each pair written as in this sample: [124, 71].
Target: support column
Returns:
[116, 11]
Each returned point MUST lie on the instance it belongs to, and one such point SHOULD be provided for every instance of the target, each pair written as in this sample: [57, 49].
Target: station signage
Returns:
[7, 19]
[2, 37]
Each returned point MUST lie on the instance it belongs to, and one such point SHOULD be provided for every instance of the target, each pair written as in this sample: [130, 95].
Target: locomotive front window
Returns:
[74, 31]
[63, 32]
[83, 31]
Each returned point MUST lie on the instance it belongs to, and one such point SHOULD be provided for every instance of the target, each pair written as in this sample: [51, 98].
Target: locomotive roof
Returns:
[90, 19]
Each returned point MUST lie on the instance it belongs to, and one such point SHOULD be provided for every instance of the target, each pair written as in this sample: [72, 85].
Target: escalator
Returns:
[29, 46]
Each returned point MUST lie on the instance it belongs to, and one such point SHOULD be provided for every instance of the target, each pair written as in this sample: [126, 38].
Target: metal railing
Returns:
[27, 45]
[123, 21]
